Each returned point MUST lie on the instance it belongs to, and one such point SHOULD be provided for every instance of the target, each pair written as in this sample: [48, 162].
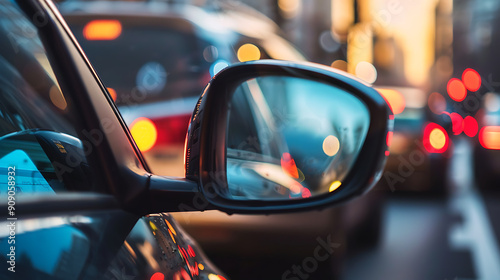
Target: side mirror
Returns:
[275, 136]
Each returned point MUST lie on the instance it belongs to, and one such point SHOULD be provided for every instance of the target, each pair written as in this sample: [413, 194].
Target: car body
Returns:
[35, 139]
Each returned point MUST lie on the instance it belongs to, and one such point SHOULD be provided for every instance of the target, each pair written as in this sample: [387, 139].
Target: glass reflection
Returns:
[45, 248]
[291, 138]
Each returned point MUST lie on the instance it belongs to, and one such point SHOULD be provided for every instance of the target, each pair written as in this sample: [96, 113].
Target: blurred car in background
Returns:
[473, 109]
[486, 156]
[420, 146]
[173, 50]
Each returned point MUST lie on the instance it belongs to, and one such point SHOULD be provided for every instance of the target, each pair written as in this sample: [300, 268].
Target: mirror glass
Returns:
[291, 138]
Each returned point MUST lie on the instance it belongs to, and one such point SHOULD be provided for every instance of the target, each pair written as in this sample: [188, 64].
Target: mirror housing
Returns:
[206, 151]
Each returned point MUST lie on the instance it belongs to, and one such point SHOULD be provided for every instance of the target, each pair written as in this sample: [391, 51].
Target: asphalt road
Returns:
[456, 237]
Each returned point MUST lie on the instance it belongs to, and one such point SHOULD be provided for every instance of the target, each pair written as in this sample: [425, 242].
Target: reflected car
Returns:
[420, 146]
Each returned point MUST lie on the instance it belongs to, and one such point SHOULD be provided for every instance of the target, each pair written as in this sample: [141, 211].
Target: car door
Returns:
[62, 218]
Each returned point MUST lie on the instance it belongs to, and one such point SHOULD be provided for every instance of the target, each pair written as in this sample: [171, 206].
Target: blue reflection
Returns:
[217, 66]
[50, 250]
[25, 175]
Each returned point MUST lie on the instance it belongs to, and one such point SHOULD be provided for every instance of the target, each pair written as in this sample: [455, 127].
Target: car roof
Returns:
[227, 20]
[139, 11]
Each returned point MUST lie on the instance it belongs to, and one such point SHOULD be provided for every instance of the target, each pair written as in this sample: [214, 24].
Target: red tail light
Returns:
[172, 129]
[456, 89]
[471, 79]
[489, 137]
[436, 139]
[470, 126]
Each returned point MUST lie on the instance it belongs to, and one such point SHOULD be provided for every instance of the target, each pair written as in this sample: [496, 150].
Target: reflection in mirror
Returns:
[291, 138]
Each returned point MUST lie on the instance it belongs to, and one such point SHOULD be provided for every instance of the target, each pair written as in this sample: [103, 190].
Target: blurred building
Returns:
[307, 24]
[462, 45]
[443, 64]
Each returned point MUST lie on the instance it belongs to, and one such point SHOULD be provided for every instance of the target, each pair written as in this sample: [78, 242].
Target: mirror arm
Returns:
[170, 194]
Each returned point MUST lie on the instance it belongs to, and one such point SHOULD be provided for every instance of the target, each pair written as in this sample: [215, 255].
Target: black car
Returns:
[81, 203]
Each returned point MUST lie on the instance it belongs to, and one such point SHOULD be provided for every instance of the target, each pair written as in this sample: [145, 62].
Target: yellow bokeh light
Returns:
[331, 145]
[340, 64]
[201, 266]
[248, 52]
[366, 71]
[145, 134]
[290, 8]
[102, 30]
[153, 226]
[437, 138]
[335, 185]
[394, 98]
[212, 276]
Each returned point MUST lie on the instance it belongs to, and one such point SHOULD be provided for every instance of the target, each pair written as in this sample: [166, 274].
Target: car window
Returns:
[39, 148]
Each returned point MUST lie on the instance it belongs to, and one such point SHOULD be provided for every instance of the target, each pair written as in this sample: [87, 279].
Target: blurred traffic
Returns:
[433, 61]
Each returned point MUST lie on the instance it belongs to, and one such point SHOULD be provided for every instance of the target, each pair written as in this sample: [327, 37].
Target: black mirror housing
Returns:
[206, 143]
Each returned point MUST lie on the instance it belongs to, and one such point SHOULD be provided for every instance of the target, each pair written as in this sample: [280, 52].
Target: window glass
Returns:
[39, 148]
